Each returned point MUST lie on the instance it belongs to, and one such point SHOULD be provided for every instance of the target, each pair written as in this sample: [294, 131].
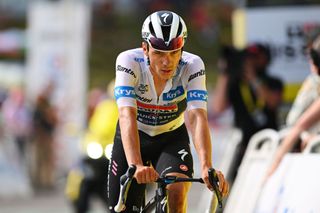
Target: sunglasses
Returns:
[160, 44]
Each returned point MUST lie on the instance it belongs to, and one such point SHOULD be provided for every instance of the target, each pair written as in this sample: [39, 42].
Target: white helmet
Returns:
[164, 31]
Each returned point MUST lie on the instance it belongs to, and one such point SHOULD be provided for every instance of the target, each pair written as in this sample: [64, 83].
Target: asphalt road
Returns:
[43, 202]
[56, 202]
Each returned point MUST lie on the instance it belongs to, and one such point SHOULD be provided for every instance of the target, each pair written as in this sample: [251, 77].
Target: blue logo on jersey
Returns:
[139, 60]
[124, 91]
[172, 94]
[197, 95]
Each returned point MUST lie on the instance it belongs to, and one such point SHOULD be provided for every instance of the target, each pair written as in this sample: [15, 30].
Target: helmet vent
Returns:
[152, 29]
[179, 29]
[166, 32]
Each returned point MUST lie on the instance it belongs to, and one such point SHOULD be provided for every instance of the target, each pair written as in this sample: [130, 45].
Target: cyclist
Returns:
[154, 85]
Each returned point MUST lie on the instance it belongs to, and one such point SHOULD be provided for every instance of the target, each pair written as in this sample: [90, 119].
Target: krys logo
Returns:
[172, 94]
[124, 91]
[197, 95]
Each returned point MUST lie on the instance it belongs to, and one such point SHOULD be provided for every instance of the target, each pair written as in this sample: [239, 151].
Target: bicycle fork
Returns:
[161, 199]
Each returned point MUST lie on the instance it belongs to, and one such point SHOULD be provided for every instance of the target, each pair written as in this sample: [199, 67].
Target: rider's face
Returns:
[163, 64]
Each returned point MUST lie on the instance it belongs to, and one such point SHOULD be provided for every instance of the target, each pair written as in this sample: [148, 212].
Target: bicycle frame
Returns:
[159, 201]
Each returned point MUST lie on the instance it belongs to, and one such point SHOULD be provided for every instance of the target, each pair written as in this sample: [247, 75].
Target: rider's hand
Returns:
[223, 184]
[145, 174]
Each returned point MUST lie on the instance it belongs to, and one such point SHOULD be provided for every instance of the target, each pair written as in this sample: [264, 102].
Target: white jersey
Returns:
[135, 87]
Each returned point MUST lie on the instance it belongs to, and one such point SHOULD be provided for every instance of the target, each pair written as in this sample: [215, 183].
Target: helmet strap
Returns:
[148, 61]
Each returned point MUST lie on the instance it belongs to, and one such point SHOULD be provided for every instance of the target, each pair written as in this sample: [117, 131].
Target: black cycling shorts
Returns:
[168, 152]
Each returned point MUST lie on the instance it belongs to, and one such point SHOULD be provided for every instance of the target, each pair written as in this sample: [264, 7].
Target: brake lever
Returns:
[125, 182]
[214, 180]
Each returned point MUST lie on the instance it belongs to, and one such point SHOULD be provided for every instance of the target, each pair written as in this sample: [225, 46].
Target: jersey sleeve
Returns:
[126, 78]
[197, 94]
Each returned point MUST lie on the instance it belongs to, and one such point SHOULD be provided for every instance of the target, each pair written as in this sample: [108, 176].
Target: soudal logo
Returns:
[124, 91]
[172, 94]
[197, 74]
[197, 95]
[126, 70]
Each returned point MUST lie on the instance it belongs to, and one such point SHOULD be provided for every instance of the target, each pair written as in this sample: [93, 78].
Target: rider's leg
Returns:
[176, 159]
[177, 195]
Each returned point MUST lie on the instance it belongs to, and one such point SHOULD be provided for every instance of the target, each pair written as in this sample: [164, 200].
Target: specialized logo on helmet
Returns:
[165, 18]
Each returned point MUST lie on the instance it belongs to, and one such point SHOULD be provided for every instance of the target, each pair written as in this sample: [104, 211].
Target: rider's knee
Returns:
[177, 194]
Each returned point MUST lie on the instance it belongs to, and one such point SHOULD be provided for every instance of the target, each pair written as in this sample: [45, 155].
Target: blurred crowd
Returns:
[31, 128]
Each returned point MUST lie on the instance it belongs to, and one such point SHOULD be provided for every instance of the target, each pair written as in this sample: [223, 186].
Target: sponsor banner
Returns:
[286, 30]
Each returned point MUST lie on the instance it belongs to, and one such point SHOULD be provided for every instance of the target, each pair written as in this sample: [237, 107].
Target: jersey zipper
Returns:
[157, 111]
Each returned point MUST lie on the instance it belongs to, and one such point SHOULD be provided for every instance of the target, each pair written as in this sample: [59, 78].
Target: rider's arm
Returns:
[199, 127]
[129, 135]
[200, 136]
[127, 75]
[126, 79]
[197, 112]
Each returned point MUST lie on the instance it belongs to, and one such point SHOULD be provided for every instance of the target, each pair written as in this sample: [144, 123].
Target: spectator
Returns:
[246, 87]
[308, 93]
[306, 109]
[17, 119]
[44, 124]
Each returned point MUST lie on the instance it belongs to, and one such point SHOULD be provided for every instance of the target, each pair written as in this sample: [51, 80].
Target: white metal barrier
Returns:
[224, 144]
[248, 183]
[294, 187]
[313, 146]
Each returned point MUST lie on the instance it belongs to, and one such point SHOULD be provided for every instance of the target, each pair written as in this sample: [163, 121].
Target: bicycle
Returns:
[159, 201]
